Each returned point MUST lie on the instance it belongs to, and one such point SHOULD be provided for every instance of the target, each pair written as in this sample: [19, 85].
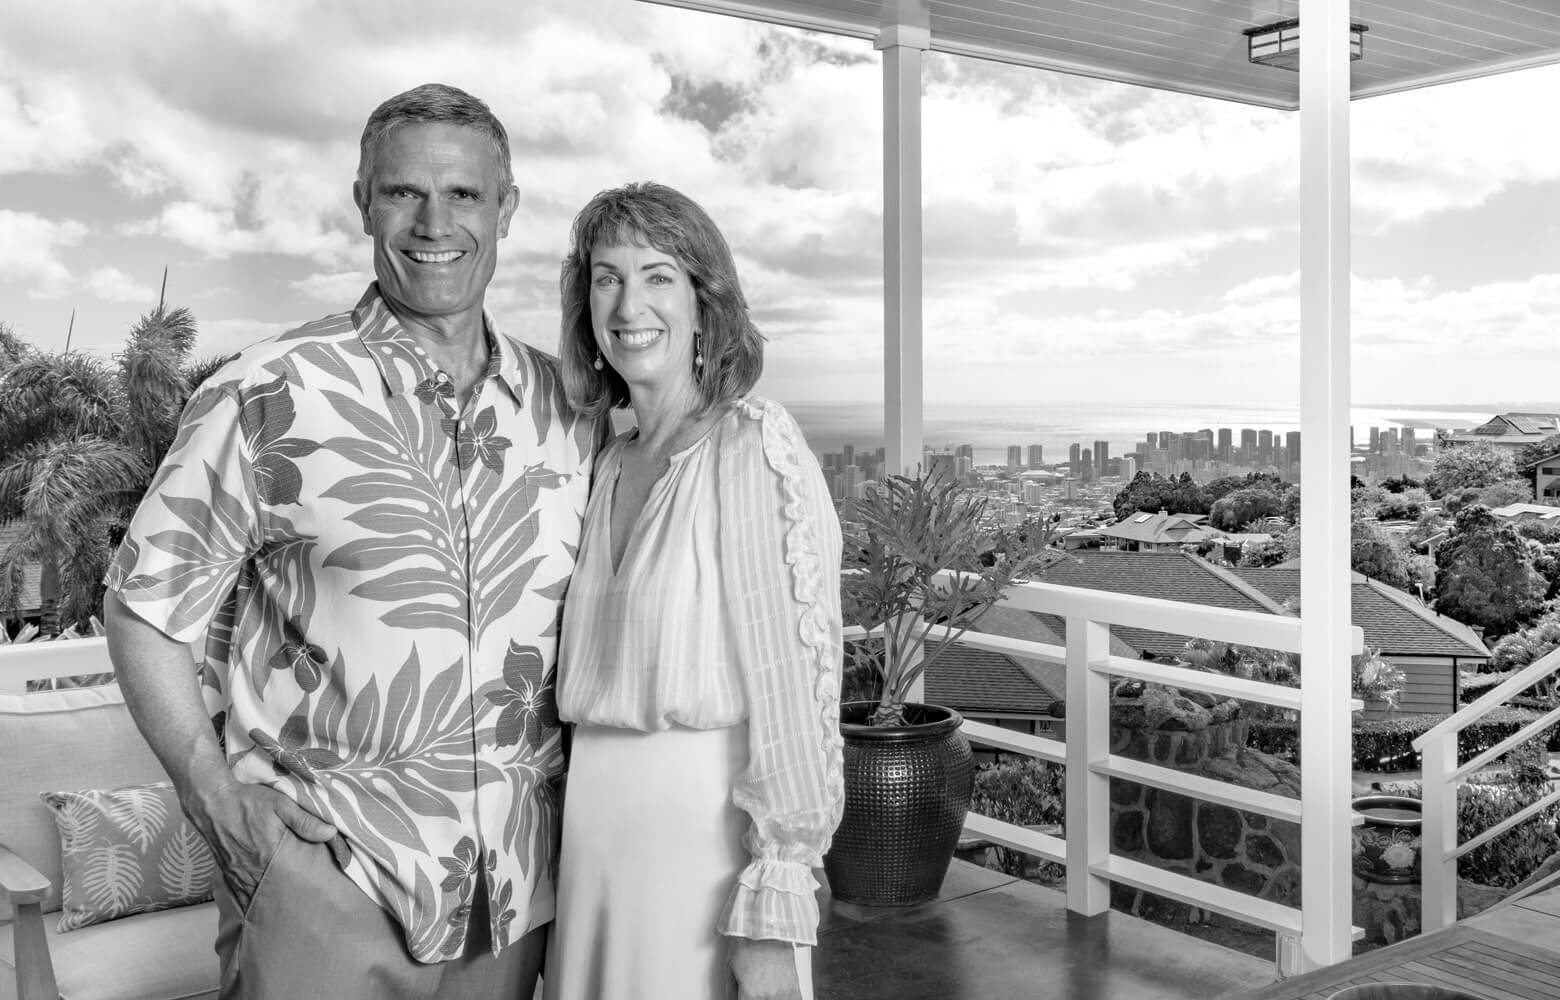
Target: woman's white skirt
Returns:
[652, 847]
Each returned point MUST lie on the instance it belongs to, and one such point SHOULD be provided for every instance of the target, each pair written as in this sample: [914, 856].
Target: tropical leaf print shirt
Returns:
[726, 608]
[377, 578]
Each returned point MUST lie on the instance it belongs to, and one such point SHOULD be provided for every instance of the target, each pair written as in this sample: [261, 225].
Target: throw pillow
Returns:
[127, 850]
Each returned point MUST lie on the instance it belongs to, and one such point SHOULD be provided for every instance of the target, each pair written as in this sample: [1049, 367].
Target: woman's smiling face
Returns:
[644, 311]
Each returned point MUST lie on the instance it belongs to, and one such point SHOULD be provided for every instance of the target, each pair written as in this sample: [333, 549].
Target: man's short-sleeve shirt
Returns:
[376, 580]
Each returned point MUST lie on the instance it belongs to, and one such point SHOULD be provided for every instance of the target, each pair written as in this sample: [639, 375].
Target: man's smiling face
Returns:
[436, 206]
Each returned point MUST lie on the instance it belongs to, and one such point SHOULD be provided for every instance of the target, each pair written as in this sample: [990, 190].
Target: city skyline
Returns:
[1083, 239]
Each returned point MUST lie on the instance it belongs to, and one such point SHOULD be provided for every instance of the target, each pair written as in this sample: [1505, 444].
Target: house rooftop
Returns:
[1394, 622]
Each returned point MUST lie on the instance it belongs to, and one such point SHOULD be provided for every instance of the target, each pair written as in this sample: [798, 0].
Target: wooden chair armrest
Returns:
[24, 887]
[20, 882]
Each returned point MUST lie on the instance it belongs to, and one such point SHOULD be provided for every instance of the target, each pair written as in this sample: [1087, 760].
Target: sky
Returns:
[1084, 240]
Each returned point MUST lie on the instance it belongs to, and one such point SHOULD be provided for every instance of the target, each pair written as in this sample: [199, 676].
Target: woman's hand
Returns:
[765, 970]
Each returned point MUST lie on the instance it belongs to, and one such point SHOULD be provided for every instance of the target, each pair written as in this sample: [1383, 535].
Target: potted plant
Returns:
[1377, 682]
[908, 769]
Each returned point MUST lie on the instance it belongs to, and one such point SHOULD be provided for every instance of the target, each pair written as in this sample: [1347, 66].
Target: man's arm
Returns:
[242, 823]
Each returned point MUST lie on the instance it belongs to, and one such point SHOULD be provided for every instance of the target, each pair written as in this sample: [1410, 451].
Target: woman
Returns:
[700, 653]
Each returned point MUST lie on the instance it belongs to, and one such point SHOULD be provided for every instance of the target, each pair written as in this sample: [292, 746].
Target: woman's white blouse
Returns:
[725, 607]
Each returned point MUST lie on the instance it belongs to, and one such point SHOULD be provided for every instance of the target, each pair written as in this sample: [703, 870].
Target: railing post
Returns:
[1438, 833]
[1088, 742]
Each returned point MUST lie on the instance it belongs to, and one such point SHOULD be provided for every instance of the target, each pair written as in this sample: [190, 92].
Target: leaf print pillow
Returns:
[125, 851]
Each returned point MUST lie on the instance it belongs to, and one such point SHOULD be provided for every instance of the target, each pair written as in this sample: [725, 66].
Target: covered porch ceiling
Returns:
[1194, 46]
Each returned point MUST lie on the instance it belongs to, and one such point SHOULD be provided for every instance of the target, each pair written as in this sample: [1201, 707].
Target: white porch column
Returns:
[902, 45]
[1325, 634]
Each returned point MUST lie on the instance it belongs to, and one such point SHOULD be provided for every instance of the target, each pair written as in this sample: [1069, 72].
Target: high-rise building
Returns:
[1226, 450]
[1375, 440]
[849, 454]
[1074, 460]
[1036, 456]
[1101, 458]
[965, 451]
[963, 465]
[853, 481]
[1248, 446]
[1015, 457]
[1409, 444]
[1264, 447]
[1086, 465]
[1129, 467]
[1292, 449]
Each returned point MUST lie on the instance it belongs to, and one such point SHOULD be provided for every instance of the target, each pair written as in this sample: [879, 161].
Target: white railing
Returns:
[1441, 776]
[1086, 848]
[28, 661]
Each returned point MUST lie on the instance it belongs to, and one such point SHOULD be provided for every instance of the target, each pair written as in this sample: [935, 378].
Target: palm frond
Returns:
[77, 481]
[198, 371]
[49, 395]
[172, 329]
[153, 394]
[12, 348]
[16, 474]
[82, 567]
[14, 559]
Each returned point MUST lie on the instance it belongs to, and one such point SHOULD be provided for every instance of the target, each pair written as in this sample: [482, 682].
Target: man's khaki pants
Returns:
[309, 931]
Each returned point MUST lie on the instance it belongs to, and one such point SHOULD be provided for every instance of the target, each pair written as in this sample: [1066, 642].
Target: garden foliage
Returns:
[1023, 791]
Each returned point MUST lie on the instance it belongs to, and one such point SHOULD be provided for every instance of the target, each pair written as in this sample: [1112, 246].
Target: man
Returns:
[369, 522]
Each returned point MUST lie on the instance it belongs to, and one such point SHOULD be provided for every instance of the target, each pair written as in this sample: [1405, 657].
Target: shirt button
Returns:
[441, 378]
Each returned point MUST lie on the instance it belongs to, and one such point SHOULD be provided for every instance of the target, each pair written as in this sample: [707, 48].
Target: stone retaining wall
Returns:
[1243, 851]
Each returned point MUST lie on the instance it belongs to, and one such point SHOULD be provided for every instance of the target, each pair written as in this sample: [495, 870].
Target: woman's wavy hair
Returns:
[646, 213]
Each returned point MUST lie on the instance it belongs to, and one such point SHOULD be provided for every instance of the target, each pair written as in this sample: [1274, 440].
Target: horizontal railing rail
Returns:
[39, 661]
[1441, 775]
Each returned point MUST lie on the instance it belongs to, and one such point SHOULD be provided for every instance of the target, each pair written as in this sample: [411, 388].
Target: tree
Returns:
[1283, 548]
[1526, 645]
[1377, 554]
[1529, 455]
[1485, 575]
[1470, 466]
[79, 440]
[1405, 505]
[1398, 484]
[1152, 493]
[1247, 504]
[1225, 485]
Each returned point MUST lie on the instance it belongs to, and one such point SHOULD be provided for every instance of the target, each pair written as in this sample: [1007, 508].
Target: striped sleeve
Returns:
[780, 551]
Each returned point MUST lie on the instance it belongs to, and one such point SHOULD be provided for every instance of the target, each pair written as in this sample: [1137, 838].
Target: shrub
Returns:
[1510, 858]
[1023, 791]
[1387, 744]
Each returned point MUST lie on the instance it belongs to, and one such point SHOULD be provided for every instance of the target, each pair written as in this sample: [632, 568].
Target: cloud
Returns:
[113, 285]
[335, 288]
[32, 246]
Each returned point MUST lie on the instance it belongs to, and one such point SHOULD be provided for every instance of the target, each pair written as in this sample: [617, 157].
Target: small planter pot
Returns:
[907, 791]
[1387, 846]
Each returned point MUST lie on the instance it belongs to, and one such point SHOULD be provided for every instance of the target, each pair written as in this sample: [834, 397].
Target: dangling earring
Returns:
[598, 364]
[698, 355]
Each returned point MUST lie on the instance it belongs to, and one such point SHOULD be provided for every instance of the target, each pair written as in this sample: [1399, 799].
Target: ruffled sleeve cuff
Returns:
[773, 901]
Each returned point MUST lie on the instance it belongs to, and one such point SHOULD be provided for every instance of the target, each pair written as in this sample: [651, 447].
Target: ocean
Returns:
[991, 428]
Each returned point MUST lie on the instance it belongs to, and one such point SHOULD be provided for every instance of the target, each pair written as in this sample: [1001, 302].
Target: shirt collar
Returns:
[402, 362]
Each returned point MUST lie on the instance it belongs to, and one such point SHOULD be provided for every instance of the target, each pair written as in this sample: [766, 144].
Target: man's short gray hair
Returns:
[433, 104]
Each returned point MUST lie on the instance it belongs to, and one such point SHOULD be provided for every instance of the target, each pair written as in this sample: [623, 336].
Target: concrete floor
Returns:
[989, 936]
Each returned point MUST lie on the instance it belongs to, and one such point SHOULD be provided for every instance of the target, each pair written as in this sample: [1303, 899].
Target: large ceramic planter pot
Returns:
[907, 790]
[1387, 846]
